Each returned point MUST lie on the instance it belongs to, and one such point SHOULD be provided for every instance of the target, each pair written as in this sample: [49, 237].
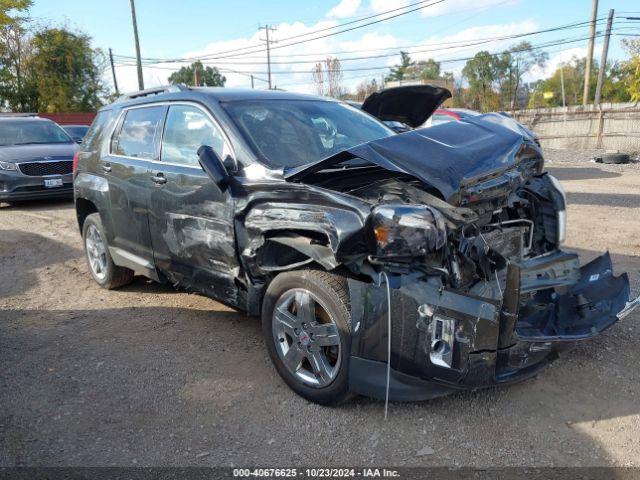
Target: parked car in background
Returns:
[413, 265]
[76, 132]
[444, 115]
[36, 158]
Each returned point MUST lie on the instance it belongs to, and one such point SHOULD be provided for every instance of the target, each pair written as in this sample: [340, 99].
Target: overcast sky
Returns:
[194, 28]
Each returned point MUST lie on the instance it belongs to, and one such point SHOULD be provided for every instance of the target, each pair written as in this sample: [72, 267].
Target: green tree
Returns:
[399, 72]
[15, 92]
[430, 70]
[631, 68]
[205, 76]
[483, 72]
[68, 72]
[10, 11]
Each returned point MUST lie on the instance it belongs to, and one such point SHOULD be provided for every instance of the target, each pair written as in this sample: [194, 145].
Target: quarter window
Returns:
[188, 128]
[137, 137]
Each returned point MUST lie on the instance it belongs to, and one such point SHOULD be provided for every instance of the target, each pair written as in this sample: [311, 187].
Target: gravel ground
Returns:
[146, 375]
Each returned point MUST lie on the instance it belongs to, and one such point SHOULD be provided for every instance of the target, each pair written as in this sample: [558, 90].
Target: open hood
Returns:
[409, 104]
[450, 157]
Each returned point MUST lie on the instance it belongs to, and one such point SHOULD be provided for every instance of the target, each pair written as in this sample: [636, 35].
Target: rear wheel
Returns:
[106, 273]
[306, 323]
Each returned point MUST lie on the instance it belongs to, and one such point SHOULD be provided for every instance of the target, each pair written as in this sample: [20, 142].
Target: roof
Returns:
[216, 94]
[224, 94]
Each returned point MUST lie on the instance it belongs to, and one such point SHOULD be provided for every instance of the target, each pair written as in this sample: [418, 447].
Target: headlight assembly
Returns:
[8, 166]
[407, 230]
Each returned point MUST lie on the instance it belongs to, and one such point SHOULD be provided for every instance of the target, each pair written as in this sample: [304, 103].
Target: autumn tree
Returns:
[631, 68]
[514, 64]
[366, 88]
[198, 75]
[327, 78]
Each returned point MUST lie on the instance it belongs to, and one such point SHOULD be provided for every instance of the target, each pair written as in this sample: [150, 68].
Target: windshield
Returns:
[76, 131]
[289, 133]
[23, 132]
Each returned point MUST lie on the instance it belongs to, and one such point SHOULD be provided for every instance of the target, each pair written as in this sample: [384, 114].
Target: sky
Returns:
[443, 29]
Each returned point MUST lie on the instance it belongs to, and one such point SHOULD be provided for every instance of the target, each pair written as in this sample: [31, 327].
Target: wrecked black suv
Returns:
[409, 265]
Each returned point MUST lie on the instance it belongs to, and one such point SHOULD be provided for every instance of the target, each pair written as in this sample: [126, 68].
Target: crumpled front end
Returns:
[456, 273]
[444, 340]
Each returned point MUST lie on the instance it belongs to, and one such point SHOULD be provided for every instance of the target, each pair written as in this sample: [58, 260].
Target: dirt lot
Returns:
[149, 376]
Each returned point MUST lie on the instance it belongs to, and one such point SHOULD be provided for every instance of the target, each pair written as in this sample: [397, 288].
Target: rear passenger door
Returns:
[134, 146]
[191, 220]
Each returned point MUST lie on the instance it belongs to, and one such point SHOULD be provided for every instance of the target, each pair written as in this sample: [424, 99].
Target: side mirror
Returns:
[212, 164]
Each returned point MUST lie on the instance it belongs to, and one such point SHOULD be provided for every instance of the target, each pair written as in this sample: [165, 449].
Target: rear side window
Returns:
[96, 127]
[138, 134]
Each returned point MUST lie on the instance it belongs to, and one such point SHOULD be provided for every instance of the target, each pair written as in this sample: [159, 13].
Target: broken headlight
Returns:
[561, 212]
[407, 230]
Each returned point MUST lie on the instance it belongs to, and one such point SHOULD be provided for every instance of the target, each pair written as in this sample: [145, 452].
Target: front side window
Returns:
[31, 132]
[188, 128]
[137, 137]
[289, 133]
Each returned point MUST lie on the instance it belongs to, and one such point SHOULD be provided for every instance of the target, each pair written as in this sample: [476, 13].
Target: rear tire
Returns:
[106, 273]
[306, 323]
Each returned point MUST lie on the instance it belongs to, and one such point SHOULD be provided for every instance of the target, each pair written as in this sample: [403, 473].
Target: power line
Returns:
[547, 44]
[261, 50]
[409, 49]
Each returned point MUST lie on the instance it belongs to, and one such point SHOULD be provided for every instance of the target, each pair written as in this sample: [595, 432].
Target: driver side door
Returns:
[190, 219]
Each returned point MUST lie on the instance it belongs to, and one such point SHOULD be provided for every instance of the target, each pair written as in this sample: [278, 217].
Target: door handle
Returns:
[159, 179]
[106, 167]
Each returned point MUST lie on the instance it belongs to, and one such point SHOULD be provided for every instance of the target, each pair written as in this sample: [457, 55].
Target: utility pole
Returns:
[564, 103]
[268, 29]
[603, 58]
[137, 40]
[587, 70]
[252, 86]
[113, 72]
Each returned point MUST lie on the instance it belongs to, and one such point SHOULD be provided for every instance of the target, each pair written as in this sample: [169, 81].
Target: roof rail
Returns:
[180, 87]
[17, 114]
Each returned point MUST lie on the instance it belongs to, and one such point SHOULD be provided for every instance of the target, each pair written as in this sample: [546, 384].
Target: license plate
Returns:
[53, 182]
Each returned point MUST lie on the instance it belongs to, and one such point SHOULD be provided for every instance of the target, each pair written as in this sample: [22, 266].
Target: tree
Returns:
[614, 87]
[327, 78]
[400, 71]
[631, 68]
[482, 72]
[66, 70]
[366, 88]
[9, 9]
[15, 93]
[424, 70]
[512, 65]
[205, 76]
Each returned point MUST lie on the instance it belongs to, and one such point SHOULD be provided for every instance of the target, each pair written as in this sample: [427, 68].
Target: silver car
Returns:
[36, 159]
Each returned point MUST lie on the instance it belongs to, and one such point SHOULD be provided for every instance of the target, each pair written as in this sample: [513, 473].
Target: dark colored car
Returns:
[411, 265]
[76, 132]
[36, 157]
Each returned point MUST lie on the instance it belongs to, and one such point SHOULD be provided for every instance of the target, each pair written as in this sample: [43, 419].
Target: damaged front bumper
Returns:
[500, 332]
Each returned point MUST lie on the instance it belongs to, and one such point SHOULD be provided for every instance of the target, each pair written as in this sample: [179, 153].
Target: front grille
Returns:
[40, 169]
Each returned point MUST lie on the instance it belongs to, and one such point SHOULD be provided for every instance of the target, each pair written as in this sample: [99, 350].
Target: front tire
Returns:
[106, 273]
[306, 323]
